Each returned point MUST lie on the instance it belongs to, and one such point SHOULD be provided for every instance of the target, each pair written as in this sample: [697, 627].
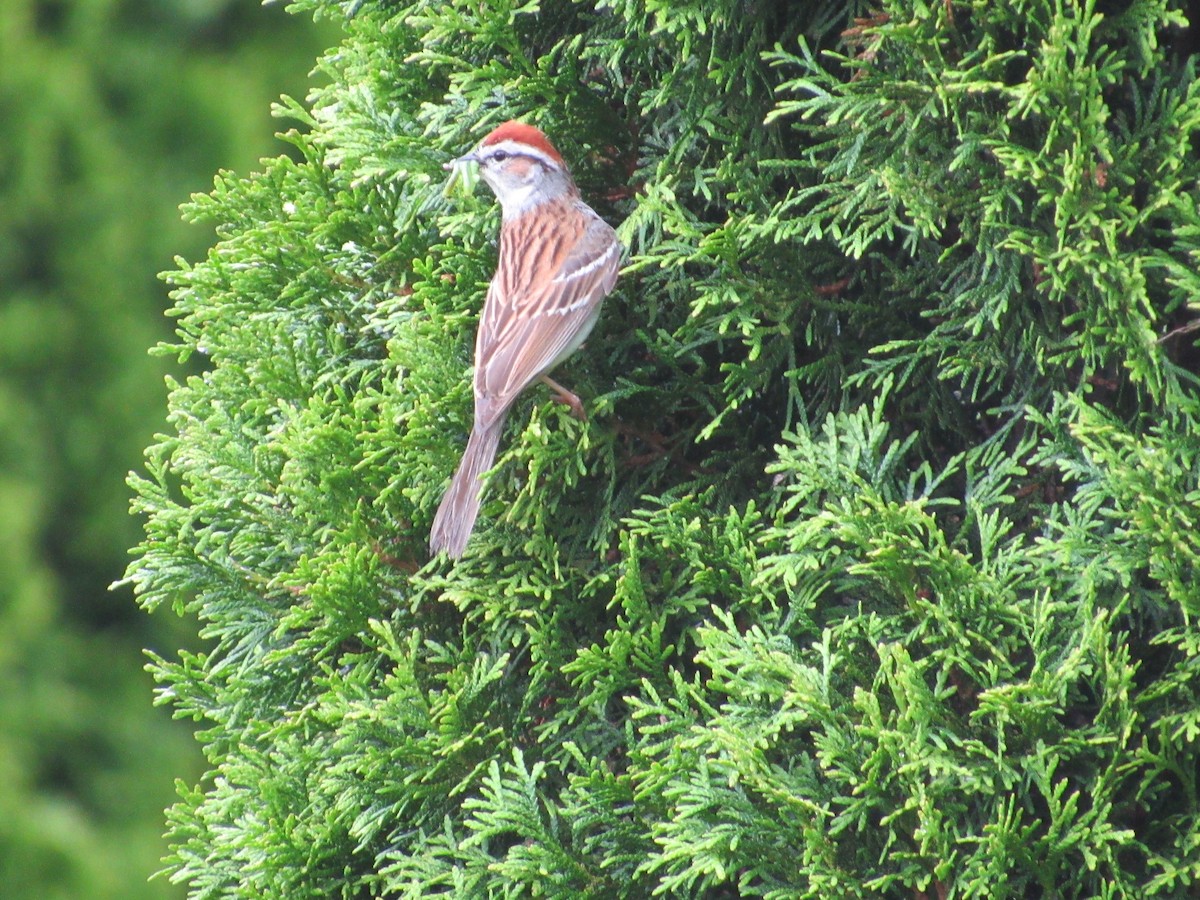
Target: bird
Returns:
[558, 261]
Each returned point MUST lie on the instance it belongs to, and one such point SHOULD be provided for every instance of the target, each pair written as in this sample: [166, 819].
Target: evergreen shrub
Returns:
[873, 571]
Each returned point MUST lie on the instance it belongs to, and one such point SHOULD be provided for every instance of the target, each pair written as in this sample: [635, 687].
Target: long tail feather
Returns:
[455, 517]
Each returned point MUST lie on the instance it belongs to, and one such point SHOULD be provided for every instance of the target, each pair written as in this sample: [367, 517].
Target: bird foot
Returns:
[562, 395]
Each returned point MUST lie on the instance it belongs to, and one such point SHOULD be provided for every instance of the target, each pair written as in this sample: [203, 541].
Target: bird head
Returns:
[521, 167]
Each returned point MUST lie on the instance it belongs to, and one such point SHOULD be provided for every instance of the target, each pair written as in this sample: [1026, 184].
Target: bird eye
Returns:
[500, 156]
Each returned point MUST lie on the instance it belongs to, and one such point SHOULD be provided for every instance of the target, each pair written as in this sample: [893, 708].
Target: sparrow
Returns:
[558, 261]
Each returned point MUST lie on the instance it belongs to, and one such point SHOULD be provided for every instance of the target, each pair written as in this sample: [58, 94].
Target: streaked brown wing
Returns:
[525, 332]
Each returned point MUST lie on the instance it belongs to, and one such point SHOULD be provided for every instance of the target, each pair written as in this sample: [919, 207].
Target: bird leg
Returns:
[562, 395]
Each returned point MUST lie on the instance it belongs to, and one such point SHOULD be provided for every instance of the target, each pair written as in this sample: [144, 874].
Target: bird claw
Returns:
[575, 405]
[565, 397]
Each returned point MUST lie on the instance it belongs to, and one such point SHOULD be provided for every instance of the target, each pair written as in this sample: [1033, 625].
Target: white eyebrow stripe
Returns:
[516, 148]
[564, 277]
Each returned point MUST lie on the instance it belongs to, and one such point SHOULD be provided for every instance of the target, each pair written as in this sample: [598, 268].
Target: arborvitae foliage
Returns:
[873, 571]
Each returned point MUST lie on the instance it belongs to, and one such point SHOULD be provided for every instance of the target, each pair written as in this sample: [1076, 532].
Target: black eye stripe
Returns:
[500, 156]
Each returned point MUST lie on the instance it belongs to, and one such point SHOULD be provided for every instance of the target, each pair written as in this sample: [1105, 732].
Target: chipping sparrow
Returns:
[558, 260]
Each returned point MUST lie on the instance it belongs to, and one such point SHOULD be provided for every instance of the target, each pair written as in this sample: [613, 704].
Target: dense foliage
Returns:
[872, 571]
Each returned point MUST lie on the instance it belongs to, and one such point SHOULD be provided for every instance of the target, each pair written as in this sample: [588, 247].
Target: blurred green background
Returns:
[111, 113]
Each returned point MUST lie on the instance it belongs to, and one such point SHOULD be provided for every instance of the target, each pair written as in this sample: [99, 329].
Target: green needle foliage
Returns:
[873, 571]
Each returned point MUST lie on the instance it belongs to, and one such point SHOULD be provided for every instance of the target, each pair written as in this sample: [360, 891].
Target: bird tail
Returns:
[455, 517]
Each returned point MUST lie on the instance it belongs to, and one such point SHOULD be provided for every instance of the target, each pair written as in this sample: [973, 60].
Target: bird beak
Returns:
[459, 171]
[462, 160]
